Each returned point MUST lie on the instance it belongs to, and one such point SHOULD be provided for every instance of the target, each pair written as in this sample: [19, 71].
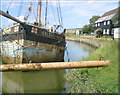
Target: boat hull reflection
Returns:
[45, 81]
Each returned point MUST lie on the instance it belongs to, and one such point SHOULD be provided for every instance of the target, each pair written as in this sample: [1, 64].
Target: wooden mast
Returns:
[39, 13]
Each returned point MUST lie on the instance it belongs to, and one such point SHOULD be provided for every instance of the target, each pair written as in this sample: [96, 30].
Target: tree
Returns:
[88, 28]
[93, 19]
[116, 20]
[85, 28]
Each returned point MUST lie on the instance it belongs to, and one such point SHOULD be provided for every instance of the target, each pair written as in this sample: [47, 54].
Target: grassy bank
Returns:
[97, 80]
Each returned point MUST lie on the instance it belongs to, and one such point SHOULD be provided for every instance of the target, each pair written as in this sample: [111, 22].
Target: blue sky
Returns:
[75, 13]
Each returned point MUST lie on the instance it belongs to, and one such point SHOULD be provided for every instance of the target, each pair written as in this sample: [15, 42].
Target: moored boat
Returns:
[32, 43]
[27, 43]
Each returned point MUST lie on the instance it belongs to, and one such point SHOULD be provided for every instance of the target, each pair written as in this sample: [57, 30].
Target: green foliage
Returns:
[116, 20]
[98, 32]
[88, 28]
[97, 80]
[93, 19]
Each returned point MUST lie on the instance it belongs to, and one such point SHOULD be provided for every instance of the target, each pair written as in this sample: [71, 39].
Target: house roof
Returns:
[108, 15]
[73, 28]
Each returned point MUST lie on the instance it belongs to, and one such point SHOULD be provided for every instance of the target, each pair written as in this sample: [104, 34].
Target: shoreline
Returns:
[92, 42]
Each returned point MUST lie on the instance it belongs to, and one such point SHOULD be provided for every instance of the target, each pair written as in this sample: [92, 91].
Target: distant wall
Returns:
[73, 31]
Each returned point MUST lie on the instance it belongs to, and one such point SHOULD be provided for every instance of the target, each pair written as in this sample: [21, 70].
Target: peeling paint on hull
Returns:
[30, 51]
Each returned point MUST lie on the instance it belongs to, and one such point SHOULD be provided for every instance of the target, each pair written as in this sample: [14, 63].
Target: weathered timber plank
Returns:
[55, 65]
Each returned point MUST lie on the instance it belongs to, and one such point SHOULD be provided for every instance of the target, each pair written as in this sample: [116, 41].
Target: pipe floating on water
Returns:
[52, 65]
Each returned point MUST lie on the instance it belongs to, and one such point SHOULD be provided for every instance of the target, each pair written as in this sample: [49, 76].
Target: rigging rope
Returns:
[34, 15]
[9, 6]
[34, 12]
[53, 12]
[46, 13]
[28, 12]
[59, 15]
[20, 8]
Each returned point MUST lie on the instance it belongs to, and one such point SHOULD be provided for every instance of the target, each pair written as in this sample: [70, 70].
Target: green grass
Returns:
[97, 80]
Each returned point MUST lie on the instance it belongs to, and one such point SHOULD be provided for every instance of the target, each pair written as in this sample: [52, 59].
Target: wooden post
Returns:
[55, 65]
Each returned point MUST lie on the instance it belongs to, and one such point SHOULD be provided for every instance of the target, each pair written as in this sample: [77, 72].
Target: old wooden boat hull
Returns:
[27, 45]
[39, 52]
[45, 81]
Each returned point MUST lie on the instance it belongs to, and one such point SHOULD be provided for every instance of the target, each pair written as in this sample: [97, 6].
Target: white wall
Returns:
[116, 32]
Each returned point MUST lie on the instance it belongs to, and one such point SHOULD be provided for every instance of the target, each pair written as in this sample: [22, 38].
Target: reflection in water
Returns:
[46, 80]
[33, 82]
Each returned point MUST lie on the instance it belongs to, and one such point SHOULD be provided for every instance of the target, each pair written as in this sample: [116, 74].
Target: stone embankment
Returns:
[92, 42]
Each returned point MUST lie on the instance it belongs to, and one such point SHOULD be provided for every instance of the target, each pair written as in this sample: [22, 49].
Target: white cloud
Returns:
[90, 8]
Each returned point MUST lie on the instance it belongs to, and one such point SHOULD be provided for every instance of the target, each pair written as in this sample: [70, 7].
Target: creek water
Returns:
[45, 81]
[77, 51]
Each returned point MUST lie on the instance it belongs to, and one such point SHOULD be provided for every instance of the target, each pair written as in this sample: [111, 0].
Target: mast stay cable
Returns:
[59, 15]
[20, 8]
[53, 11]
[9, 6]
[27, 14]
[46, 13]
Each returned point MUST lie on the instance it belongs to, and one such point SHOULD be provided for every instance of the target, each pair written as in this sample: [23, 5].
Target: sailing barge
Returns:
[32, 43]
[27, 43]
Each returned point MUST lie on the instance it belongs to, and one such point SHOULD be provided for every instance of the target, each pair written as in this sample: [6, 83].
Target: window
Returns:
[16, 28]
[105, 23]
[34, 30]
[98, 24]
[108, 22]
[112, 31]
[107, 31]
[104, 31]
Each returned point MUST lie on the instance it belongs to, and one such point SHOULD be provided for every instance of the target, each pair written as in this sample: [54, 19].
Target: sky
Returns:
[75, 13]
